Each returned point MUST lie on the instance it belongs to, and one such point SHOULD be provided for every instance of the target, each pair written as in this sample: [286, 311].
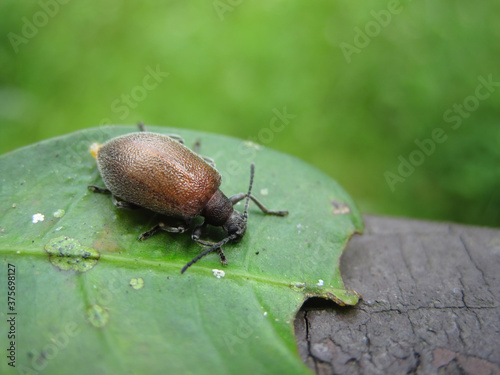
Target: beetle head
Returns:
[236, 225]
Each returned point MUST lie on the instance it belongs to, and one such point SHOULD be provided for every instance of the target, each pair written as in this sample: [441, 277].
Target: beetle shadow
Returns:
[142, 220]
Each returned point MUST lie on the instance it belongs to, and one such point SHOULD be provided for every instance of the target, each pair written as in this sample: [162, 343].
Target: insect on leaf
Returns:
[91, 298]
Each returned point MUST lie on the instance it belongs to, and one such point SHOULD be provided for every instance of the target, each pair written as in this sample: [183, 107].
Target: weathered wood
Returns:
[431, 303]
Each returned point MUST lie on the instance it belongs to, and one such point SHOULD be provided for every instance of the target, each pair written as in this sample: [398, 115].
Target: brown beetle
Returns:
[159, 173]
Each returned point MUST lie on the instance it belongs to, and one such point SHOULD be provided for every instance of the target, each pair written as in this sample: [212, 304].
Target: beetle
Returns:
[159, 173]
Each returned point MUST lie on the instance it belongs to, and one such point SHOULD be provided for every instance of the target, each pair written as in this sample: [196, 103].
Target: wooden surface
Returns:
[430, 305]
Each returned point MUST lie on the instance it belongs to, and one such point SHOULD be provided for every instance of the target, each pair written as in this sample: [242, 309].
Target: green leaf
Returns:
[131, 311]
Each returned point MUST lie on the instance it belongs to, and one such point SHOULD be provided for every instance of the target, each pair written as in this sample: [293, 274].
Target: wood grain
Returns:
[430, 305]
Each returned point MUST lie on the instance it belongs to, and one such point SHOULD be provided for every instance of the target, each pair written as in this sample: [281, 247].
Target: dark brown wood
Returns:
[431, 303]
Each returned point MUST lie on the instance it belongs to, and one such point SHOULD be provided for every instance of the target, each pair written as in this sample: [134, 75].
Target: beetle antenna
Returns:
[208, 251]
[252, 171]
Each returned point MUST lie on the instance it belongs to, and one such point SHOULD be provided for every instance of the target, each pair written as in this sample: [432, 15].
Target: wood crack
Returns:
[428, 307]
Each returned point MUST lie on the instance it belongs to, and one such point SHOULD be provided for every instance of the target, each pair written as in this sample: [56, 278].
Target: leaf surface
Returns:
[90, 297]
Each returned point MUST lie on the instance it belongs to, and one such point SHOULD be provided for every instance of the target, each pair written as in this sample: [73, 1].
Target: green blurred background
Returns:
[364, 81]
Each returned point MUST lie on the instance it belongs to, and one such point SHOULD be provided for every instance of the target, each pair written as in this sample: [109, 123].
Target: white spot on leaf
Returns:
[218, 273]
[37, 217]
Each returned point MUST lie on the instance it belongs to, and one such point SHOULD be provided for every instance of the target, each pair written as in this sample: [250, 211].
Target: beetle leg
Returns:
[166, 228]
[215, 247]
[98, 189]
[238, 197]
[196, 237]
[210, 161]
[175, 137]
[123, 204]
[149, 233]
[196, 148]
[223, 259]
[178, 229]
[197, 233]
[116, 202]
